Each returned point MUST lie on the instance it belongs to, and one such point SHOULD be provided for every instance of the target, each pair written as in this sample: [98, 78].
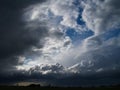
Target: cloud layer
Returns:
[35, 47]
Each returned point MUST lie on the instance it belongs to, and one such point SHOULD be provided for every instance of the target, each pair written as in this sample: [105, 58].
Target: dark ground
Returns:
[38, 87]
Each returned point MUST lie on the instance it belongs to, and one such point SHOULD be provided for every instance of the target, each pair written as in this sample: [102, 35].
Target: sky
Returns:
[60, 42]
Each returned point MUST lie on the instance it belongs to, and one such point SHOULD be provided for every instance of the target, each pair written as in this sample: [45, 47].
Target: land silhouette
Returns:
[33, 86]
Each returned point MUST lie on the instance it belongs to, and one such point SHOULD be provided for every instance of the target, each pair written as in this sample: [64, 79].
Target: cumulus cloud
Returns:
[47, 69]
[101, 15]
[58, 14]
[56, 42]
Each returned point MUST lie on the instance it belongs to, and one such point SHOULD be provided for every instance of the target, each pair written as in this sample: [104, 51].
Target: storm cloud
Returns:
[35, 45]
[15, 39]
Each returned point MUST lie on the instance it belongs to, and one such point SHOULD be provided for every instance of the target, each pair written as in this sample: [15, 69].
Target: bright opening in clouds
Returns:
[52, 41]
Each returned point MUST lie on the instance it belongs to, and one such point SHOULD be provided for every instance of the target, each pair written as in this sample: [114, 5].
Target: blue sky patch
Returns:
[111, 34]
[77, 36]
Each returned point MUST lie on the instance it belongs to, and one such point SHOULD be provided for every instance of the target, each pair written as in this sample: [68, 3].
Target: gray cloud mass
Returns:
[15, 39]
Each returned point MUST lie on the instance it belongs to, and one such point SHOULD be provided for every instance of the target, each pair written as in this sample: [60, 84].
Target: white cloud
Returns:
[47, 68]
[101, 15]
[57, 16]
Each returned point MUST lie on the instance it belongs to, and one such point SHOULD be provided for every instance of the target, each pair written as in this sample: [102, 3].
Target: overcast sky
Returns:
[60, 42]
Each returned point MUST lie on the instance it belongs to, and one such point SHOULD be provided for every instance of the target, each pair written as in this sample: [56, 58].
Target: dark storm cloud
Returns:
[15, 39]
[59, 79]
